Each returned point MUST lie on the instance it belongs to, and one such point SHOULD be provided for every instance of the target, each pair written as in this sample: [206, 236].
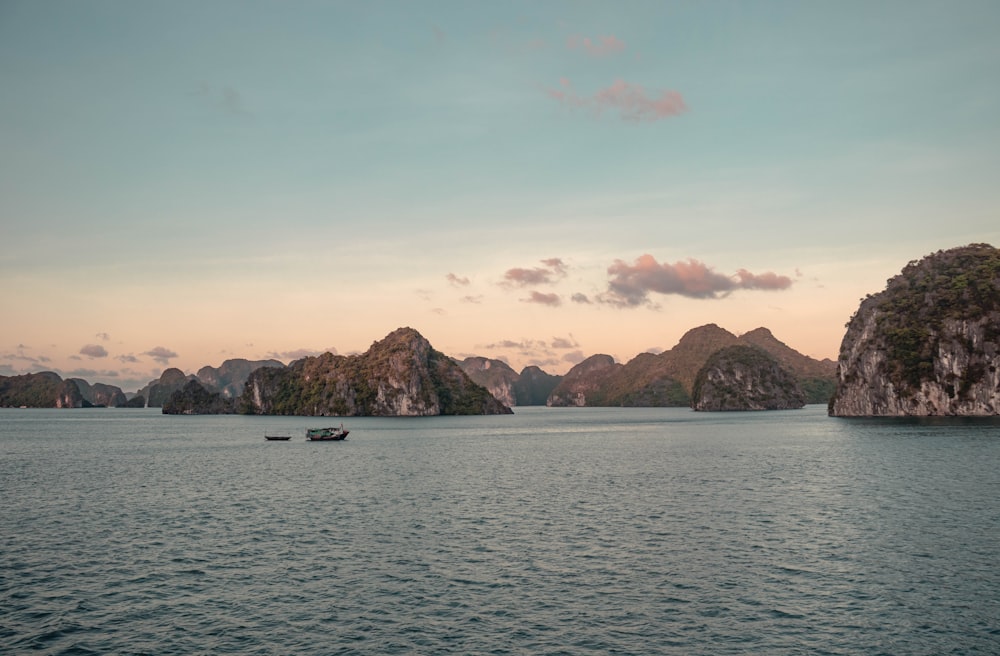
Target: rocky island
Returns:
[929, 344]
[743, 377]
[668, 378]
[401, 375]
[47, 389]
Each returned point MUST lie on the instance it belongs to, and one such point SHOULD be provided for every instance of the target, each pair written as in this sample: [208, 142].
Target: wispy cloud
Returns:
[563, 342]
[551, 300]
[553, 270]
[629, 285]
[457, 281]
[20, 354]
[93, 351]
[161, 354]
[631, 101]
[92, 375]
[555, 352]
[103, 336]
[601, 46]
[127, 358]
[580, 298]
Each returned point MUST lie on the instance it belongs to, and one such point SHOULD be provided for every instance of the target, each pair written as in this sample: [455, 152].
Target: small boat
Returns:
[326, 434]
[277, 438]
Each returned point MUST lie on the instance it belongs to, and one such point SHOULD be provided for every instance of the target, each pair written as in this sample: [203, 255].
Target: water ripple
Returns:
[551, 532]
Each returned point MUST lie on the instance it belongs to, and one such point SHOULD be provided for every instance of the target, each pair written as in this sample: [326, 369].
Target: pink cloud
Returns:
[551, 300]
[456, 280]
[631, 101]
[766, 280]
[630, 284]
[553, 270]
[600, 47]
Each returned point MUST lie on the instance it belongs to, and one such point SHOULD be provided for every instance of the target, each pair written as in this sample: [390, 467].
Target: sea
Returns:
[551, 531]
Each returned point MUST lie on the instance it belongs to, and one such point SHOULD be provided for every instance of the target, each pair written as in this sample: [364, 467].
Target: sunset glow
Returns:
[187, 182]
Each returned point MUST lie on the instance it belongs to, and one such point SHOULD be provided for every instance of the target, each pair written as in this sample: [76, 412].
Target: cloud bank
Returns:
[629, 285]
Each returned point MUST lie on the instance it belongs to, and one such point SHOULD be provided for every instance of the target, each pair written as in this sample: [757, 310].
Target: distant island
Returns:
[668, 378]
[929, 344]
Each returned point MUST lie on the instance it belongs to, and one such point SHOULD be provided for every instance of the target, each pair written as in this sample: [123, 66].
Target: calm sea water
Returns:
[553, 531]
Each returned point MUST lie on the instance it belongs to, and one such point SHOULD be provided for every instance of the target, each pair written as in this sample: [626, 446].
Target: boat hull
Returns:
[337, 437]
[326, 434]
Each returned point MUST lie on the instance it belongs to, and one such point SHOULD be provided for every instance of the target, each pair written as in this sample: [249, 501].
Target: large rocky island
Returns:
[929, 344]
[47, 389]
[668, 378]
[401, 375]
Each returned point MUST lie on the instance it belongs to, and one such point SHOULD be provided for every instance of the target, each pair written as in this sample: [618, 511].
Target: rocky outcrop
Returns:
[742, 377]
[818, 378]
[45, 389]
[100, 394]
[494, 375]
[228, 378]
[580, 383]
[68, 396]
[531, 387]
[48, 390]
[137, 401]
[194, 399]
[158, 391]
[401, 375]
[929, 344]
[667, 379]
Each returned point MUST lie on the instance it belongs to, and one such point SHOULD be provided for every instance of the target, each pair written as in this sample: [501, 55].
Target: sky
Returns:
[186, 182]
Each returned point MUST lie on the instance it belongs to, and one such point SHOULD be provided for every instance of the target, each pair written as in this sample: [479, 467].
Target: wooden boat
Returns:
[277, 438]
[326, 434]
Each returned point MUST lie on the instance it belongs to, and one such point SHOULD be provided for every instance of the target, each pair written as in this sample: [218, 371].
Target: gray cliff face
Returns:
[929, 345]
[158, 391]
[965, 373]
[228, 379]
[494, 375]
[745, 378]
[101, 394]
[68, 395]
[534, 386]
[583, 379]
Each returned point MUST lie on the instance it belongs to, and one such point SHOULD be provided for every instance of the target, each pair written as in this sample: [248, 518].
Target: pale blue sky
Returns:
[203, 176]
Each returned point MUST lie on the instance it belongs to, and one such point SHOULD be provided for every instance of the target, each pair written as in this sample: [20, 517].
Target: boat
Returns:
[326, 434]
[277, 438]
